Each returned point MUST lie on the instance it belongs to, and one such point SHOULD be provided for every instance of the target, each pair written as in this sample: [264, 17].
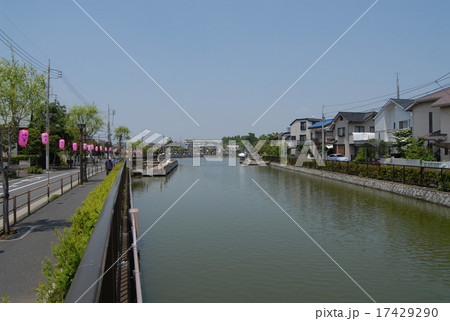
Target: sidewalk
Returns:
[21, 256]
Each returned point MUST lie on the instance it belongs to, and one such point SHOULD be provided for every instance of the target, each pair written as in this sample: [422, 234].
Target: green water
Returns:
[226, 240]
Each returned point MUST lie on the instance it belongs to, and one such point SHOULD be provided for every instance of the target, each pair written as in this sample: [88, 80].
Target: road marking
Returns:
[39, 181]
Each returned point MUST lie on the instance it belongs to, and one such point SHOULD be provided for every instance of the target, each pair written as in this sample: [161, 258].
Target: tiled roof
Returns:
[319, 124]
[312, 120]
[404, 103]
[441, 98]
[356, 116]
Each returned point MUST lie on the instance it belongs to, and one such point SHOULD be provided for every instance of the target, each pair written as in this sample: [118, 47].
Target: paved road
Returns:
[38, 185]
[21, 257]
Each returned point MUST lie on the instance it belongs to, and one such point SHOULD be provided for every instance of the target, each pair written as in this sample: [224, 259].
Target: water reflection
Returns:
[226, 241]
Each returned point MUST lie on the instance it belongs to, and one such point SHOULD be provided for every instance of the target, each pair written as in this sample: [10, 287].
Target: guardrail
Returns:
[413, 175]
[24, 204]
[106, 269]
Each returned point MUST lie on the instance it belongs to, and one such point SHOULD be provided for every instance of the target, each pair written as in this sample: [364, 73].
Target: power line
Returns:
[35, 63]
[27, 57]
[384, 98]
[74, 90]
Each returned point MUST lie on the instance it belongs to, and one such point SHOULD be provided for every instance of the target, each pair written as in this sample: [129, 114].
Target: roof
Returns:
[437, 135]
[441, 98]
[313, 120]
[402, 103]
[319, 124]
[356, 116]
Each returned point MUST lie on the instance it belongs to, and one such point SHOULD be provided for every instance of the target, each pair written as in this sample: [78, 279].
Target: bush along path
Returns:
[72, 244]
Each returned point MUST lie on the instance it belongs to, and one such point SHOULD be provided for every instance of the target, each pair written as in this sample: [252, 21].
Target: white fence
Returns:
[414, 162]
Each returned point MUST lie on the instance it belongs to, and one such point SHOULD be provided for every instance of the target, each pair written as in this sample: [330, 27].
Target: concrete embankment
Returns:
[422, 193]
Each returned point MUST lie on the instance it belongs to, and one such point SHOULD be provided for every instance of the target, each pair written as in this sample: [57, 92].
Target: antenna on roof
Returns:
[398, 86]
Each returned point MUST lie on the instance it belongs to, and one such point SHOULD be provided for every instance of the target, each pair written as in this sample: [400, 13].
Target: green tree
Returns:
[22, 90]
[58, 130]
[121, 133]
[411, 147]
[88, 115]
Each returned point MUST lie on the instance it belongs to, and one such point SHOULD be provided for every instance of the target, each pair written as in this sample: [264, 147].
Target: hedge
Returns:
[72, 244]
[429, 177]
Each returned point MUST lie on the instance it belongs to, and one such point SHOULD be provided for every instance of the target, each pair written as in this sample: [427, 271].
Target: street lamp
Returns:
[81, 126]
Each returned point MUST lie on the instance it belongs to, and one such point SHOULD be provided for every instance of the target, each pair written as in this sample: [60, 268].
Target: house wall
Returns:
[384, 122]
[342, 142]
[298, 132]
[445, 129]
[345, 144]
[421, 120]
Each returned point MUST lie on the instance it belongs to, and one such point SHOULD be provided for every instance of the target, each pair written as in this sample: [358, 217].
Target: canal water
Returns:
[230, 238]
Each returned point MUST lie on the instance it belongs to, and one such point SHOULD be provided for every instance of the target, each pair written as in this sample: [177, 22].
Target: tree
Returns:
[88, 115]
[22, 90]
[411, 147]
[121, 133]
[58, 130]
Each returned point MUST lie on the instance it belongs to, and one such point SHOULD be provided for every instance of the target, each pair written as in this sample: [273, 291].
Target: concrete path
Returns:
[21, 256]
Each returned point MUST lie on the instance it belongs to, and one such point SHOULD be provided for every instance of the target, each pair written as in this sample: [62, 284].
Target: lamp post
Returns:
[81, 126]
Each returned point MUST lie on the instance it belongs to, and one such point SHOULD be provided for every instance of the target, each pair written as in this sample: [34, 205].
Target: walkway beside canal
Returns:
[21, 256]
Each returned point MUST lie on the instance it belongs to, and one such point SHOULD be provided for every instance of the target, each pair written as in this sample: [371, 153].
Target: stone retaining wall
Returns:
[422, 193]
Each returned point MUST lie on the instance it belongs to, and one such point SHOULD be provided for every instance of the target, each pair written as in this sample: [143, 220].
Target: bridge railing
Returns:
[97, 278]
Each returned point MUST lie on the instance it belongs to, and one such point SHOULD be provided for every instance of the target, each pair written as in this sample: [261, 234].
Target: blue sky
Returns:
[226, 62]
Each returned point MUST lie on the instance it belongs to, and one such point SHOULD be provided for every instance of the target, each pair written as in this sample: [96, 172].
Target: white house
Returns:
[393, 116]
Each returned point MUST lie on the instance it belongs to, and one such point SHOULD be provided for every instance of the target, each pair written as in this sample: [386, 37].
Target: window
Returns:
[341, 131]
[302, 138]
[394, 126]
[359, 129]
[372, 129]
[403, 124]
[430, 122]
[303, 125]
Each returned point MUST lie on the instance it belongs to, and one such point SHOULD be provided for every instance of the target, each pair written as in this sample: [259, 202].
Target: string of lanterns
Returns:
[24, 135]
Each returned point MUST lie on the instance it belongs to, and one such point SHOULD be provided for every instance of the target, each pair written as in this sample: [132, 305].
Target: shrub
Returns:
[72, 244]
[34, 170]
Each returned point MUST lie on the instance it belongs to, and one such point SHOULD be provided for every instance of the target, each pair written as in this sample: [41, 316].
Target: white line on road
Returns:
[39, 181]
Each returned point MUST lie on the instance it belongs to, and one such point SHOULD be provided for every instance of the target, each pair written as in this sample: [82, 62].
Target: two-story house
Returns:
[431, 119]
[299, 129]
[316, 131]
[393, 116]
[345, 124]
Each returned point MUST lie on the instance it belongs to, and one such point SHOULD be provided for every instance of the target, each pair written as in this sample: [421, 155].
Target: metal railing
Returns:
[99, 273]
[25, 203]
[413, 175]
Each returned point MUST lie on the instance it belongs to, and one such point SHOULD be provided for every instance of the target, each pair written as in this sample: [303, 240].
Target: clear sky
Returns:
[226, 62]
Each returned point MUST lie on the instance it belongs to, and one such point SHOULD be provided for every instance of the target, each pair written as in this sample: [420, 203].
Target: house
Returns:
[351, 130]
[316, 131]
[431, 119]
[393, 116]
[299, 129]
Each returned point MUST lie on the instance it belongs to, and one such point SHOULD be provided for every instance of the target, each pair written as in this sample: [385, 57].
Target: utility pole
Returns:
[47, 122]
[398, 86]
[109, 133]
[323, 134]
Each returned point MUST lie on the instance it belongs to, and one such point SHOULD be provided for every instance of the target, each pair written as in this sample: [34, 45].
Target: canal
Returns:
[230, 238]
